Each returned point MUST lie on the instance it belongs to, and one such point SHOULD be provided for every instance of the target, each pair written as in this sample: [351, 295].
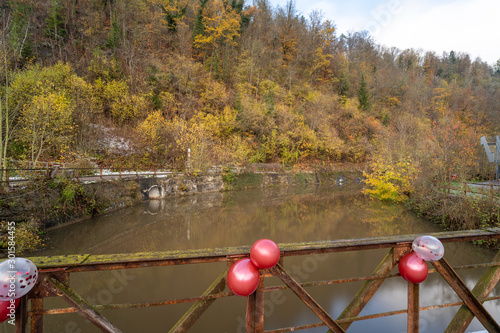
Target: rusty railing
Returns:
[54, 276]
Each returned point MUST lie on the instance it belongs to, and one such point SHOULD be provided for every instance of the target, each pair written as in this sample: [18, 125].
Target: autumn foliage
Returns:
[234, 82]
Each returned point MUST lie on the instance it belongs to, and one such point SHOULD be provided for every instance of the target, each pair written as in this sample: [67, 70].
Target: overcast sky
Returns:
[469, 26]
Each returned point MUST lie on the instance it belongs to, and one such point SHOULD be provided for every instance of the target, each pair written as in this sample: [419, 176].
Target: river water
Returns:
[290, 214]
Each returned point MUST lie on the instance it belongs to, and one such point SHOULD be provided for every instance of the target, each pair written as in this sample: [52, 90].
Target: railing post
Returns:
[37, 318]
[77, 175]
[250, 313]
[413, 305]
[100, 172]
[255, 310]
[22, 315]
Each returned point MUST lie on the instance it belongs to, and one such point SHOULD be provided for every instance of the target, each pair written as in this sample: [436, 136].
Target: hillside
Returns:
[235, 82]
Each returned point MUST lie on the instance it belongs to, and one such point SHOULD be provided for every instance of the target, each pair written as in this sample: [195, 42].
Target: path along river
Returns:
[290, 214]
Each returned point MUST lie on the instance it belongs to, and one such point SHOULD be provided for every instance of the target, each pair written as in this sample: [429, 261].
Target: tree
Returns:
[8, 109]
[220, 26]
[156, 134]
[391, 181]
[46, 125]
[497, 68]
[173, 11]
[55, 28]
[46, 98]
[288, 28]
[364, 95]
[323, 57]
[451, 149]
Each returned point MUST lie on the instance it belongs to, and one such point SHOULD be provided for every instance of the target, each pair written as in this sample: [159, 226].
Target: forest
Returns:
[136, 83]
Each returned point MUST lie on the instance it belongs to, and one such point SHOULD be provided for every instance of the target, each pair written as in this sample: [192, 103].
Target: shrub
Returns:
[391, 182]
[27, 236]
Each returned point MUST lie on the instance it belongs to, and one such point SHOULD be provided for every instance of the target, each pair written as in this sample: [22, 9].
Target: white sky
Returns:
[469, 26]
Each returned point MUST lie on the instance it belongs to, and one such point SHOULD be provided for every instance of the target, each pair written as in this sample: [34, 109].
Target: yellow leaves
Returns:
[127, 108]
[441, 97]
[312, 96]
[321, 64]
[115, 97]
[150, 128]
[45, 98]
[168, 102]
[269, 88]
[328, 32]
[160, 135]
[174, 8]
[391, 182]
[214, 96]
[221, 25]
[289, 49]
[221, 125]
[391, 101]
[46, 124]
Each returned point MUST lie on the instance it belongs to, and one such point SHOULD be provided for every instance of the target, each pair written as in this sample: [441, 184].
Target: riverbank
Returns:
[54, 203]
[463, 208]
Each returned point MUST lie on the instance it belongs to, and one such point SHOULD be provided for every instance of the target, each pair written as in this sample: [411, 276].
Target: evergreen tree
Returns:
[496, 68]
[364, 95]
[198, 25]
[55, 28]
[344, 86]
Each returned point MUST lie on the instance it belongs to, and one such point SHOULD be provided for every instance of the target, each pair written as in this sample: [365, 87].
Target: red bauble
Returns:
[265, 253]
[6, 308]
[413, 268]
[243, 277]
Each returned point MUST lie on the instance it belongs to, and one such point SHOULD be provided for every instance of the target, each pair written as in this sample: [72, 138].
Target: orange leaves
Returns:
[452, 148]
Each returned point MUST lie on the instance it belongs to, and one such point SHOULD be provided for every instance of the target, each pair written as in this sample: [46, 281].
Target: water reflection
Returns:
[235, 218]
[240, 218]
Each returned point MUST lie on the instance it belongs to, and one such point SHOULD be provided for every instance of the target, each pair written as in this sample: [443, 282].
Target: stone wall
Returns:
[159, 188]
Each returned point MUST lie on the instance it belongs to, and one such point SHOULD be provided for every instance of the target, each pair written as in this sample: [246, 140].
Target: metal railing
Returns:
[55, 272]
[17, 177]
[22, 175]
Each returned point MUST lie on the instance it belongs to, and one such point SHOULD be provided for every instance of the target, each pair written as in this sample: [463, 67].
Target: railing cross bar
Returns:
[307, 299]
[466, 295]
[369, 288]
[483, 288]
[78, 302]
[199, 307]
